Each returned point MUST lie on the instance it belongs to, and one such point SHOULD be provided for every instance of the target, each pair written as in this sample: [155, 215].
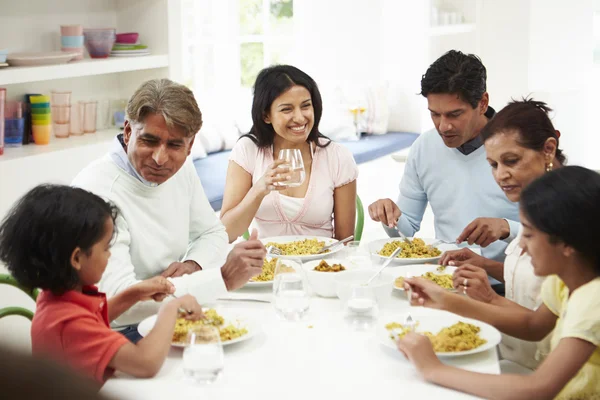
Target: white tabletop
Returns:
[321, 357]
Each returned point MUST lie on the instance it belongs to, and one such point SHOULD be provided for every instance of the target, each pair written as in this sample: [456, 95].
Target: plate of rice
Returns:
[451, 335]
[438, 274]
[302, 248]
[231, 328]
[265, 279]
[418, 251]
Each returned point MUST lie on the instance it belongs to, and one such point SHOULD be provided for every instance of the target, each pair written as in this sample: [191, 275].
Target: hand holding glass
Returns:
[293, 160]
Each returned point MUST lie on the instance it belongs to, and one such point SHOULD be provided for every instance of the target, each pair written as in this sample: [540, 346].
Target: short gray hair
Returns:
[175, 102]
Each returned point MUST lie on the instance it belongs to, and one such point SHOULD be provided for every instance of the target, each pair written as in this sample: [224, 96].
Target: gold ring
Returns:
[465, 282]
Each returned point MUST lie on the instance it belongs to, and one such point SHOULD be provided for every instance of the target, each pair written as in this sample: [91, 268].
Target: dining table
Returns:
[328, 354]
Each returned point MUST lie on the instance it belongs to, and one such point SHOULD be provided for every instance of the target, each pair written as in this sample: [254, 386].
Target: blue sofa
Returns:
[213, 169]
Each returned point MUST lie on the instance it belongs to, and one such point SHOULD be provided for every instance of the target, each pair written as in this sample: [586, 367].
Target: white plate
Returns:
[147, 324]
[129, 55]
[262, 284]
[408, 271]
[288, 239]
[433, 321]
[47, 58]
[377, 245]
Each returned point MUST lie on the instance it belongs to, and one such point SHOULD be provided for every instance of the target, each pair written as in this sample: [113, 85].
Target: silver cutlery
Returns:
[385, 264]
[275, 251]
[402, 236]
[324, 249]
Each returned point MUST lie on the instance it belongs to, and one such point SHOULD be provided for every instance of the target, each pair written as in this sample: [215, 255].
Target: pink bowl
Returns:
[71, 30]
[99, 42]
[130, 37]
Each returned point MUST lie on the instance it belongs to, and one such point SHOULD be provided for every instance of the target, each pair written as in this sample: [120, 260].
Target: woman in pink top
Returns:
[286, 111]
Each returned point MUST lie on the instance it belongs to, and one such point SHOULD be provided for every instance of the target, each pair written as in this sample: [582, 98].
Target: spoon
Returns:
[385, 264]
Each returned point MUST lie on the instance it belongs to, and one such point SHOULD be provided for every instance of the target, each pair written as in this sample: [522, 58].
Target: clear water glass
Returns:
[293, 160]
[361, 307]
[357, 255]
[291, 293]
[203, 358]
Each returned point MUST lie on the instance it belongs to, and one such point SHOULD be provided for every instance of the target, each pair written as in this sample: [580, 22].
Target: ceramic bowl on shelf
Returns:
[99, 34]
[128, 38]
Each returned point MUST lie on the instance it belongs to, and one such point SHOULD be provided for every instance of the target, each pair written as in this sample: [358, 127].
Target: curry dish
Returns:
[416, 249]
[443, 280]
[324, 267]
[304, 247]
[458, 337]
[227, 332]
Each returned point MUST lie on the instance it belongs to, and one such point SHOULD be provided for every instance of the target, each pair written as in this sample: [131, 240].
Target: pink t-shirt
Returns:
[332, 166]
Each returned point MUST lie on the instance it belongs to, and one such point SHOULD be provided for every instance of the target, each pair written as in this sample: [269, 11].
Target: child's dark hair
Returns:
[564, 205]
[40, 233]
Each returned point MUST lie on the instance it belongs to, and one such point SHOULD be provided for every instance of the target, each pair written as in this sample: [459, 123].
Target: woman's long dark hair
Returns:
[270, 83]
[564, 204]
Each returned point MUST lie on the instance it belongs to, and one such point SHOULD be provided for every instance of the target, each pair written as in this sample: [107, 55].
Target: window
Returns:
[266, 33]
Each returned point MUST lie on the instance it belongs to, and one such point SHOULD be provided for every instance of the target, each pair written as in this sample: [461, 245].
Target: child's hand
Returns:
[156, 288]
[418, 350]
[191, 306]
[425, 293]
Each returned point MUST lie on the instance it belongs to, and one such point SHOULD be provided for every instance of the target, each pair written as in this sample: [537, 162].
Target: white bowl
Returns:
[382, 285]
[323, 283]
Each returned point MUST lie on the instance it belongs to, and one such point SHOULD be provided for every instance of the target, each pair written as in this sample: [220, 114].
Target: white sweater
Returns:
[155, 227]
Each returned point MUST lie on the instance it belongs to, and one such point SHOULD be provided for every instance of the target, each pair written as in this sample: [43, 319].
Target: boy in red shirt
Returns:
[57, 238]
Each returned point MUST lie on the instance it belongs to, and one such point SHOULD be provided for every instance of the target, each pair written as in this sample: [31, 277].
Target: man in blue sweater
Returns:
[447, 167]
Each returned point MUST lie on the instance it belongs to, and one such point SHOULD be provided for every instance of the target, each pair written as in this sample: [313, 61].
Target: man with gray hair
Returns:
[166, 225]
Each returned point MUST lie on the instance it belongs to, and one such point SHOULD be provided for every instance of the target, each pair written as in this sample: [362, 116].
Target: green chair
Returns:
[6, 311]
[360, 221]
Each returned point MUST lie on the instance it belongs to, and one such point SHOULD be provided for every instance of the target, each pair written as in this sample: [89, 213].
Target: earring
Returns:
[549, 167]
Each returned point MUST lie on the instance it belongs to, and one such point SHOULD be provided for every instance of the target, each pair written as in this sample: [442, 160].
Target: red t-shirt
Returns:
[74, 329]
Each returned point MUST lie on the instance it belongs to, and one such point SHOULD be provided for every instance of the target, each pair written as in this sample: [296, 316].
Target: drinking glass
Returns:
[293, 160]
[76, 125]
[291, 294]
[89, 116]
[361, 307]
[357, 255]
[203, 359]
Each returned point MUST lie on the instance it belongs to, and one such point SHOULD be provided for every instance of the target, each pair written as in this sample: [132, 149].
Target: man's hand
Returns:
[484, 231]
[180, 268]
[385, 211]
[243, 262]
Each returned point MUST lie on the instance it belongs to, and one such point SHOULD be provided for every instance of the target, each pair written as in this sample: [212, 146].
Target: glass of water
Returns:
[356, 254]
[293, 160]
[203, 358]
[291, 294]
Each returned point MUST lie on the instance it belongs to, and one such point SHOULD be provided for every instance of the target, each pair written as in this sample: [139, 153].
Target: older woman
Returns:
[286, 111]
[166, 225]
[521, 144]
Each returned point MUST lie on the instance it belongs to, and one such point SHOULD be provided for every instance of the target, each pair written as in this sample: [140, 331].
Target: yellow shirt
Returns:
[578, 317]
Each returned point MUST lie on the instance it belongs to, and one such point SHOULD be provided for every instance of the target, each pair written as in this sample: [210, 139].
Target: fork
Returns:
[272, 250]
[410, 323]
[324, 249]
[180, 309]
[402, 236]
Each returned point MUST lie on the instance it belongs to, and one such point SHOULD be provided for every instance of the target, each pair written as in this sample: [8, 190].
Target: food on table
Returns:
[227, 332]
[304, 247]
[443, 280]
[268, 270]
[325, 267]
[458, 337]
[416, 249]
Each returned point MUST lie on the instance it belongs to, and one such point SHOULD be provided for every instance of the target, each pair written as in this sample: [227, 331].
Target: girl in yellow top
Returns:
[560, 214]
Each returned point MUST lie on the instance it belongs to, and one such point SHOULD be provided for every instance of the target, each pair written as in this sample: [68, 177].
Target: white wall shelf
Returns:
[444, 30]
[58, 144]
[87, 67]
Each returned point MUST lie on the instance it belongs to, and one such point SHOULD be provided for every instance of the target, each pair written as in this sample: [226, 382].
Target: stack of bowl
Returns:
[72, 40]
[99, 42]
[41, 119]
